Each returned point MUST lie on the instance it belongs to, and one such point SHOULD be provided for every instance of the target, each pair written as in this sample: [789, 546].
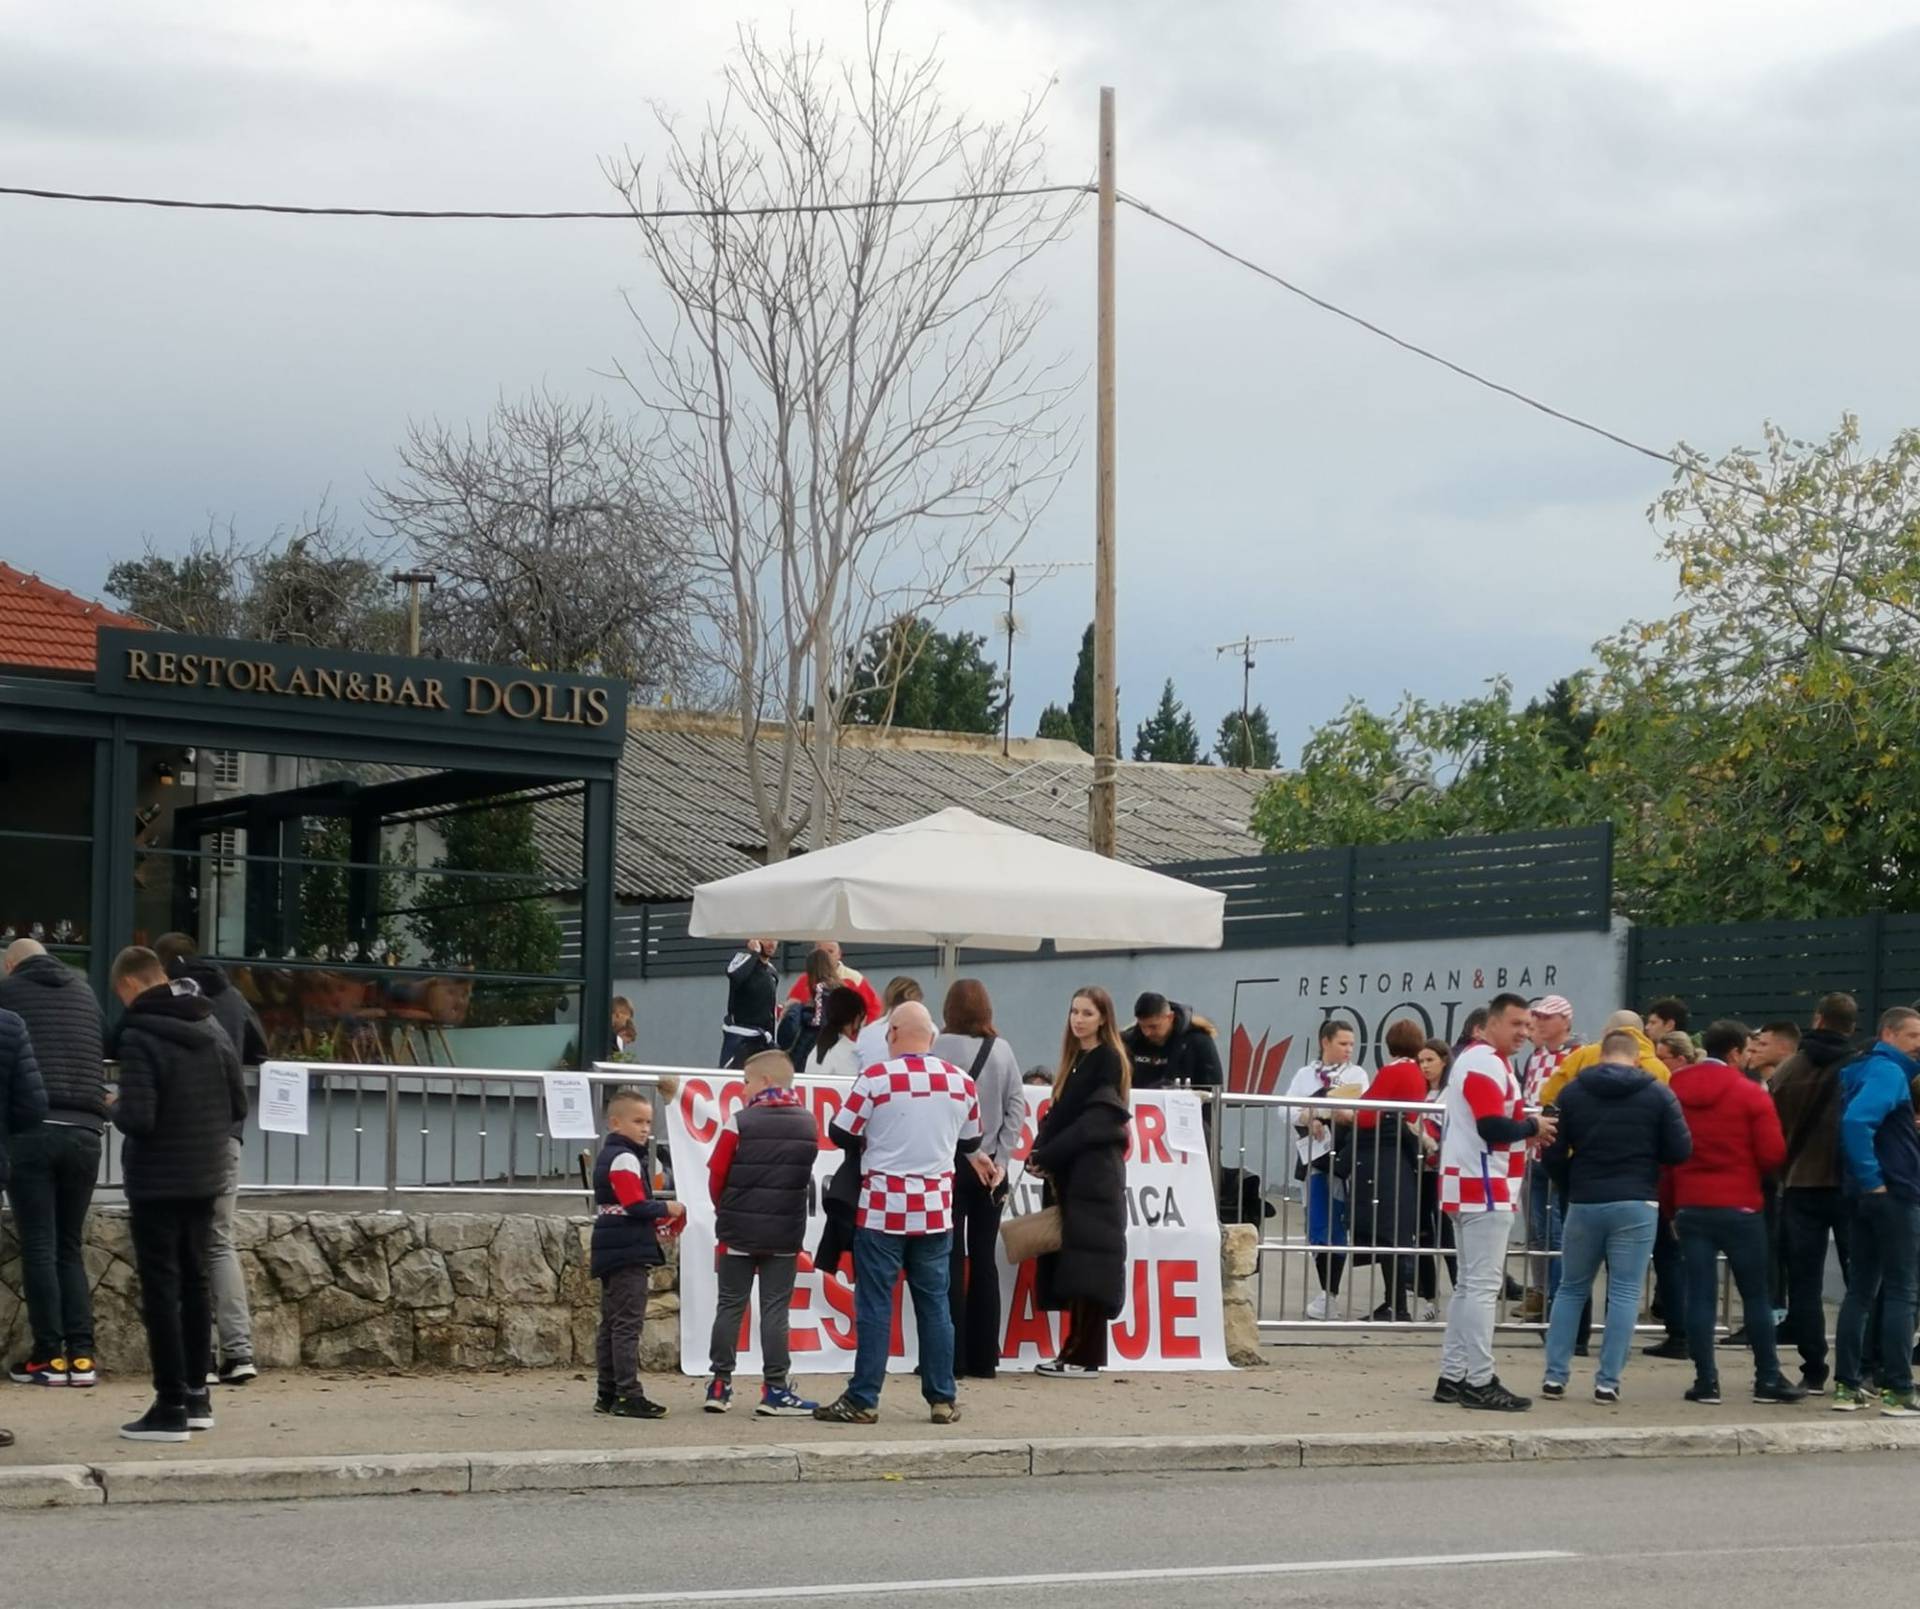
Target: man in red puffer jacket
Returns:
[1717, 1201]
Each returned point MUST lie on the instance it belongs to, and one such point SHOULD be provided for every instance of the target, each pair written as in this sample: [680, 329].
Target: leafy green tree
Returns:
[1168, 734]
[1752, 749]
[1058, 724]
[1249, 745]
[311, 584]
[1758, 741]
[498, 923]
[908, 674]
[1080, 706]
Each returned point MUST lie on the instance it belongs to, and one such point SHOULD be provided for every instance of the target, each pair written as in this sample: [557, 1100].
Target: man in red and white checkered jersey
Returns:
[911, 1118]
[1483, 1151]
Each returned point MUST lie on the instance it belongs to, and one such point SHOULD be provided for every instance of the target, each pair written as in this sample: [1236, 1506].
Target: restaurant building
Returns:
[351, 835]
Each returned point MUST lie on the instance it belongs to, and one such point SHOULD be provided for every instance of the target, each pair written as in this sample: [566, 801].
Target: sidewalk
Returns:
[1313, 1390]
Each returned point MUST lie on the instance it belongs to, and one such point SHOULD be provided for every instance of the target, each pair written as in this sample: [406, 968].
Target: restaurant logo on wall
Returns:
[219, 671]
[1287, 1012]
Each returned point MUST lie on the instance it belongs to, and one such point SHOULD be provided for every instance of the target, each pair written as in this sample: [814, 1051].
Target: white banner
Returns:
[1171, 1319]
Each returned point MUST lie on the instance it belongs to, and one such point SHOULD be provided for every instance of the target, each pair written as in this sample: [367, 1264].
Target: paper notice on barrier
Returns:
[570, 1107]
[283, 1097]
[1185, 1132]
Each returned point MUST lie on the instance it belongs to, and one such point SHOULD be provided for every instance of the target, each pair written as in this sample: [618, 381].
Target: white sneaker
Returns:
[1428, 1313]
[1319, 1307]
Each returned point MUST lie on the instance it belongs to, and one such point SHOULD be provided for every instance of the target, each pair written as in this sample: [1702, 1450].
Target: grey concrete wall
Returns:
[1276, 995]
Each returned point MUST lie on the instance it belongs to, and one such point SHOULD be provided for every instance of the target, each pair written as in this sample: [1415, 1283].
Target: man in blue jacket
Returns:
[1880, 1166]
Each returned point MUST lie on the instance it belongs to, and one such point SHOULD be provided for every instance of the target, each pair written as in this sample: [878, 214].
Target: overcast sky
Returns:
[1679, 220]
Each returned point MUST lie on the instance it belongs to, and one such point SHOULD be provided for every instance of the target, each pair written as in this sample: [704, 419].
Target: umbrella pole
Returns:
[949, 965]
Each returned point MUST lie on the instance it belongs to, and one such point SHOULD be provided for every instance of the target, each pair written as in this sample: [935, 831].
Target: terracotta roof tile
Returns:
[44, 627]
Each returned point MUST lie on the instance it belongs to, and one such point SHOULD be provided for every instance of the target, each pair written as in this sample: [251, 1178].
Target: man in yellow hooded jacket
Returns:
[1589, 1056]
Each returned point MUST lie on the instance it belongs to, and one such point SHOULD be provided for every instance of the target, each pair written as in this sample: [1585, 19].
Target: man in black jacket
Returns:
[23, 1101]
[55, 1164]
[753, 1002]
[232, 1317]
[1169, 1045]
[1806, 1093]
[180, 1095]
[1618, 1129]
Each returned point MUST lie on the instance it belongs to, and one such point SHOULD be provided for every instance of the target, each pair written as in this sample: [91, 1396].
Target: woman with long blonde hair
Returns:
[1081, 1149]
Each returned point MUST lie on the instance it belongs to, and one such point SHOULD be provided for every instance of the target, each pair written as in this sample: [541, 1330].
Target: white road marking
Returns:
[852, 1589]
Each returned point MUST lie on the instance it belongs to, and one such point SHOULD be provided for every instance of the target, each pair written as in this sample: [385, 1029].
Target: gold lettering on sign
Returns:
[137, 668]
[268, 679]
[532, 700]
[382, 688]
[189, 670]
[326, 683]
[436, 694]
[216, 667]
[297, 682]
[168, 668]
[560, 718]
[356, 687]
[481, 688]
[408, 696]
[596, 706]
[240, 675]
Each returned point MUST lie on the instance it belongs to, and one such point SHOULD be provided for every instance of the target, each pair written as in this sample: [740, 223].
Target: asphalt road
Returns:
[1746, 1533]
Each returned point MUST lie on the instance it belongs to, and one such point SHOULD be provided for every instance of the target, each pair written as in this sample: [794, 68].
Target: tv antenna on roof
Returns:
[1244, 647]
[1011, 574]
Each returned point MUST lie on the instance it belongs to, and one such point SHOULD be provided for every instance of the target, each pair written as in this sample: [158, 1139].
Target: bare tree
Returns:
[554, 539]
[847, 392]
[307, 583]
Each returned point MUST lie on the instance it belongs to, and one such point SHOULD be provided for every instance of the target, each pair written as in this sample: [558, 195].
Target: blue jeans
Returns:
[1621, 1232]
[1881, 1261]
[1705, 1232]
[877, 1262]
[1546, 1228]
[1326, 1226]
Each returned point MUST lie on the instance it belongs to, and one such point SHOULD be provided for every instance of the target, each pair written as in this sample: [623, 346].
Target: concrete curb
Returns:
[256, 1480]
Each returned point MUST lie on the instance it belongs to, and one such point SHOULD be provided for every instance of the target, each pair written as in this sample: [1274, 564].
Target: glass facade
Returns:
[381, 896]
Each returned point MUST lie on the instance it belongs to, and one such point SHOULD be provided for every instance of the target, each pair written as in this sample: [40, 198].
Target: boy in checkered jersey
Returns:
[913, 1117]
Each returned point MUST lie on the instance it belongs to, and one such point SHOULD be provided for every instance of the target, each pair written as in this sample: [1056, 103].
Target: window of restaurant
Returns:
[46, 842]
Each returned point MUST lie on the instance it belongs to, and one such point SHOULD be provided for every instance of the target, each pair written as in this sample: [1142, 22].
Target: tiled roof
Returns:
[685, 812]
[44, 627]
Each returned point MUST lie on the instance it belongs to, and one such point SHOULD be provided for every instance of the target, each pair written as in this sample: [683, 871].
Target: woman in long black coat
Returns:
[1081, 1149]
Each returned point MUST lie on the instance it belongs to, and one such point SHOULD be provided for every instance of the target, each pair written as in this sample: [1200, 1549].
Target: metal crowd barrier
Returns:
[1352, 1239]
[404, 1132]
[1374, 1245]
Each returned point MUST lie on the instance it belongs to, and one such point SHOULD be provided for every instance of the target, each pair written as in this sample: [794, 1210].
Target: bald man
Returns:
[911, 1115]
[56, 1163]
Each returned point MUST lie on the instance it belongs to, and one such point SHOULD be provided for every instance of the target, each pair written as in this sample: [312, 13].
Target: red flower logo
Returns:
[1256, 1069]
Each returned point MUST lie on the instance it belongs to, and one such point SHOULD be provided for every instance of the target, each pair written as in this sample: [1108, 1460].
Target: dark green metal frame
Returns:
[118, 723]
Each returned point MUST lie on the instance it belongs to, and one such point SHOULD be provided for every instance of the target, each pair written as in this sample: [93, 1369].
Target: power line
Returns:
[821, 207]
[628, 216]
[1411, 346]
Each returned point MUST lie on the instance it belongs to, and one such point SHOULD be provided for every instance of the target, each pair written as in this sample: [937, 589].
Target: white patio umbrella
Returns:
[953, 879]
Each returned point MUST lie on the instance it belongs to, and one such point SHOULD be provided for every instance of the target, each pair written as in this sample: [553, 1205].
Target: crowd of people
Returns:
[1753, 1150]
[180, 1102]
[1646, 1150]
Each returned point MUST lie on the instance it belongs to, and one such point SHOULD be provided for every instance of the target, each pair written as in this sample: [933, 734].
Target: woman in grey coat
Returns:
[971, 1043]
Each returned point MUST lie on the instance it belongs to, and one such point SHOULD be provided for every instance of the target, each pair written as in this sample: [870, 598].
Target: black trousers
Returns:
[1669, 1282]
[1086, 1342]
[171, 1240]
[973, 1284]
[1436, 1230]
[1809, 1215]
[54, 1169]
[616, 1344]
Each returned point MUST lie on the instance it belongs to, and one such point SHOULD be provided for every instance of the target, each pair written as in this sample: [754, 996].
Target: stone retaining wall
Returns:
[448, 1290]
[380, 1290]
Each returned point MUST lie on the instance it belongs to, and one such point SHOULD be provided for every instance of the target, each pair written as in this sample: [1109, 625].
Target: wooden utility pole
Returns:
[413, 581]
[1101, 832]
